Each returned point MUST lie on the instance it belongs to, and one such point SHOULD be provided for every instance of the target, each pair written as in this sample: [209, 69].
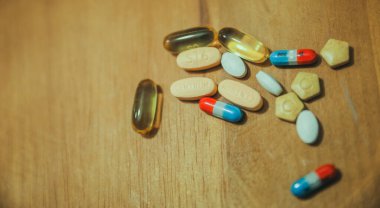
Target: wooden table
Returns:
[68, 72]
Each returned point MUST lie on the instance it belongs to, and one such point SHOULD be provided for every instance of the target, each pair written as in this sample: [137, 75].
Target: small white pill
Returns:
[307, 127]
[269, 83]
[233, 65]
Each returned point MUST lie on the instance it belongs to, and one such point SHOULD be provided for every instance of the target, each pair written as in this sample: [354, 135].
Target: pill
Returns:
[221, 110]
[336, 53]
[306, 85]
[233, 65]
[313, 181]
[197, 59]
[243, 45]
[307, 127]
[269, 83]
[190, 38]
[240, 95]
[293, 57]
[193, 88]
[288, 106]
[144, 107]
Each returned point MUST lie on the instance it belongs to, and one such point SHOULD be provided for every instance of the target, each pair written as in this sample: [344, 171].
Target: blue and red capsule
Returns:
[305, 186]
[293, 57]
[221, 110]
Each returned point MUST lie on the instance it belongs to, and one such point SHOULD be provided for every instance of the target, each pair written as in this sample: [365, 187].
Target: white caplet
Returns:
[233, 65]
[307, 127]
[269, 83]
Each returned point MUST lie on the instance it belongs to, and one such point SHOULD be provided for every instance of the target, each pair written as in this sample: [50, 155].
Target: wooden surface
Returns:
[68, 72]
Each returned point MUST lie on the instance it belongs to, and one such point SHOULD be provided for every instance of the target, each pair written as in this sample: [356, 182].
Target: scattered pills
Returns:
[336, 53]
[306, 85]
[240, 95]
[190, 38]
[293, 57]
[221, 110]
[193, 88]
[307, 127]
[269, 83]
[144, 107]
[288, 107]
[197, 59]
[243, 45]
[307, 185]
[233, 65]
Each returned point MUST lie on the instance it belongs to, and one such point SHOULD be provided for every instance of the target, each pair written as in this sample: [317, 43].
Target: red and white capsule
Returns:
[313, 181]
[221, 110]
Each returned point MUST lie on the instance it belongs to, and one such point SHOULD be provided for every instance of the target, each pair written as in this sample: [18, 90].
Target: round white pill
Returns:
[269, 83]
[233, 65]
[307, 127]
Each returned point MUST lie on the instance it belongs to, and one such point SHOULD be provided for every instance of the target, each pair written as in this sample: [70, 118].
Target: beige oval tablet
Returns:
[199, 58]
[193, 88]
[240, 94]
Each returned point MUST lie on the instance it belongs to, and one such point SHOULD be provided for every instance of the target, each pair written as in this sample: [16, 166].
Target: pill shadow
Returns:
[266, 63]
[351, 60]
[317, 62]
[321, 134]
[328, 183]
[248, 75]
[158, 117]
[243, 120]
[321, 93]
[264, 108]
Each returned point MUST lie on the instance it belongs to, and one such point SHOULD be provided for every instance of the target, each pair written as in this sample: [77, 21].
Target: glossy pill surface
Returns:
[221, 110]
[306, 85]
[243, 45]
[233, 65]
[288, 106]
[293, 57]
[305, 186]
[336, 53]
[144, 107]
[197, 59]
[307, 127]
[190, 38]
[269, 83]
[193, 88]
[240, 94]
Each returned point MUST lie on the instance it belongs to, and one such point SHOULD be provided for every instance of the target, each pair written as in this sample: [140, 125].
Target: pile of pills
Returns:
[197, 49]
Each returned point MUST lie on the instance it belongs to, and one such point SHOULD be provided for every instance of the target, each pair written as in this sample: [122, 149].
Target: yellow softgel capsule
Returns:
[243, 45]
[336, 53]
[190, 38]
[306, 85]
[288, 106]
[145, 107]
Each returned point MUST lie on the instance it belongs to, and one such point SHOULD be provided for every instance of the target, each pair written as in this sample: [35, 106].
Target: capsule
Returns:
[293, 57]
[311, 182]
[243, 45]
[221, 110]
[144, 107]
[190, 38]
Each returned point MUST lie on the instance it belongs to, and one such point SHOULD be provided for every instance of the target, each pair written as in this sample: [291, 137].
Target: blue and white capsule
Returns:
[221, 110]
[293, 57]
[305, 186]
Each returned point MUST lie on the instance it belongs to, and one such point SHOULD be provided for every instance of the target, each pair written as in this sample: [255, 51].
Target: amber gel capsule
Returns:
[144, 107]
[190, 38]
[243, 45]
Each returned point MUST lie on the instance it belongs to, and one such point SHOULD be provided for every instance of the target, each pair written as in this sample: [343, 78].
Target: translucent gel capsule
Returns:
[293, 57]
[144, 107]
[190, 38]
[243, 45]
[220, 109]
[305, 186]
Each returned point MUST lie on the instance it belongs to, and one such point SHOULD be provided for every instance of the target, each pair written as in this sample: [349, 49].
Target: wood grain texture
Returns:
[68, 72]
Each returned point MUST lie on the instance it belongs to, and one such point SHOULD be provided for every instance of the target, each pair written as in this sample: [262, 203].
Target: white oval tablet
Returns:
[240, 94]
[193, 88]
[307, 127]
[269, 83]
[233, 65]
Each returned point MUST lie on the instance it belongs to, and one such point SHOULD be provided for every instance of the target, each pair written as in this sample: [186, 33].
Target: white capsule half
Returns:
[269, 83]
[307, 127]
